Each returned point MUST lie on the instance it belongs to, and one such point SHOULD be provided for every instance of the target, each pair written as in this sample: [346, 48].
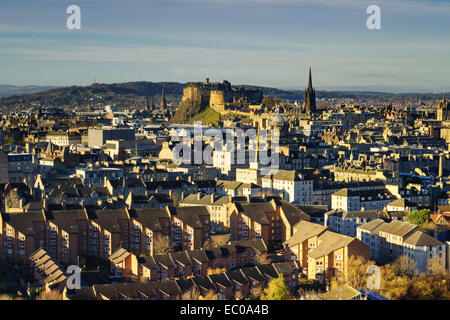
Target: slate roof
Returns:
[23, 222]
[329, 242]
[305, 230]
[420, 239]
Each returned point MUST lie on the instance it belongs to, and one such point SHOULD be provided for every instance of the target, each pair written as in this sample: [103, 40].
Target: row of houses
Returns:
[227, 285]
[45, 271]
[67, 234]
[247, 218]
[322, 253]
[185, 264]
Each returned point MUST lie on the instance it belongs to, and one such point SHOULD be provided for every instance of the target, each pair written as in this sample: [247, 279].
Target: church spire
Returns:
[310, 79]
[163, 105]
[147, 106]
[309, 105]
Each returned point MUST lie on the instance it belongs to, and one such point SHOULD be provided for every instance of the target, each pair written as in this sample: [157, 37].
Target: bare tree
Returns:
[162, 245]
[256, 292]
[404, 266]
[263, 258]
[310, 295]
[191, 294]
[176, 198]
[435, 267]
[50, 295]
[238, 295]
[356, 274]
[216, 271]
[210, 295]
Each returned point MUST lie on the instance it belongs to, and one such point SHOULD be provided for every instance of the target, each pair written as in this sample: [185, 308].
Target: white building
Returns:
[345, 222]
[289, 184]
[348, 200]
[388, 241]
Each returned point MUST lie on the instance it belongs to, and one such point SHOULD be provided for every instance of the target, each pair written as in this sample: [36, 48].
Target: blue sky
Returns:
[261, 42]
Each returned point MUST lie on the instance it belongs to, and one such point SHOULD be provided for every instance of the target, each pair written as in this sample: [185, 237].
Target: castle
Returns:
[221, 96]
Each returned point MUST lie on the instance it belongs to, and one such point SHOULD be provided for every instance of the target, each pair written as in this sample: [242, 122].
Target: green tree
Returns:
[276, 290]
[418, 217]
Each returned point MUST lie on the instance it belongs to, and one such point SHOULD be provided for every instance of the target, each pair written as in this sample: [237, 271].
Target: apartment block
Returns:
[388, 241]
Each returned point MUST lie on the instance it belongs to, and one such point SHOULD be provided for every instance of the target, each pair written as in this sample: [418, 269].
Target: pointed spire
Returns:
[147, 106]
[310, 79]
[163, 104]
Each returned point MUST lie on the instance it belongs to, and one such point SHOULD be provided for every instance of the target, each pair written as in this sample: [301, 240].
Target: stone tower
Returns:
[163, 104]
[443, 110]
[310, 97]
[147, 106]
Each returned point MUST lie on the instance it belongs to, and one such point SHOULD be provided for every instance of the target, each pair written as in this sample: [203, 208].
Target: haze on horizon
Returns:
[268, 43]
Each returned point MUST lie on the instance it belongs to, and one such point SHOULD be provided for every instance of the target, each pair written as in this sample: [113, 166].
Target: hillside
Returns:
[8, 90]
[122, 94]
[133, 94]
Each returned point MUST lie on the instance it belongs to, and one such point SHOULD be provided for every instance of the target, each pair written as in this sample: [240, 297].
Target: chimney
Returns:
[199, 195]
[249, 198]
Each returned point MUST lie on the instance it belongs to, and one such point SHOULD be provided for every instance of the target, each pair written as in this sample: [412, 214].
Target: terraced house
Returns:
[184, 264]
[332, 253]
[304, 240]
[236, 284]
[269, 221]
[67, 234]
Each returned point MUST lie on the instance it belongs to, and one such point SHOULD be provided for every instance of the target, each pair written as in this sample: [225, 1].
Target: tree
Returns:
[393, 286]
[436, 268]
[276, 290]
[418, 217]
[162, 245]
[210, 295]
[263, 258]
[356, 274]
[216, 271]
[404, 266]
[192, 294]
[256, 292]
[238, 295]
[176, 198]
[50, 295]
[429, 227]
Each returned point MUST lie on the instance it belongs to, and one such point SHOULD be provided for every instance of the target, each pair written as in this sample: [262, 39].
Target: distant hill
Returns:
[123, 94]
[8, 90]
[134, 93]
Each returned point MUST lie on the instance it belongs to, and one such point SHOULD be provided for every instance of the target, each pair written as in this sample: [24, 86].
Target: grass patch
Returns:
[207, 116]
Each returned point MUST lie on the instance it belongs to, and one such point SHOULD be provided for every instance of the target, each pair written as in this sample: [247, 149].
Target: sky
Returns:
[260, 42]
